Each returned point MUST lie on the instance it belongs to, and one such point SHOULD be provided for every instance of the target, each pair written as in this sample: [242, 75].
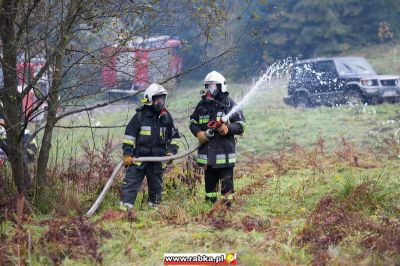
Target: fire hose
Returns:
[97, 203]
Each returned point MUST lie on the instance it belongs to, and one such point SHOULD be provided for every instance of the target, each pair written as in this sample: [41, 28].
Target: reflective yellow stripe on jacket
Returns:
[129, 140]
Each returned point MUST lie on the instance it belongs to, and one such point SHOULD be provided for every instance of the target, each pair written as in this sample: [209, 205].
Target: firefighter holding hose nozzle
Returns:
[151, 132]
[217, 152]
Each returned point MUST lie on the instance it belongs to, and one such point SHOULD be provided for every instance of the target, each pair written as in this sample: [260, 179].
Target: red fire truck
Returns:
[27, 71]
[140, 63]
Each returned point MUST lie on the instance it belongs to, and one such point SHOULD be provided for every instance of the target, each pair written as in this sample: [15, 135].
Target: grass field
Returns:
[313, 186]
[271, 124]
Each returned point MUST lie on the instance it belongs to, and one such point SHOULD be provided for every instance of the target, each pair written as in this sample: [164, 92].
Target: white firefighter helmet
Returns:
[215, 77]
[153, 90]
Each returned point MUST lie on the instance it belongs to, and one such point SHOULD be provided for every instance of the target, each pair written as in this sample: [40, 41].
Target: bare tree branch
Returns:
[98, 105]
[24, 24]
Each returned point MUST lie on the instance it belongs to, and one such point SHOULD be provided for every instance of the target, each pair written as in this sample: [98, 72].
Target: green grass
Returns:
[271, 124]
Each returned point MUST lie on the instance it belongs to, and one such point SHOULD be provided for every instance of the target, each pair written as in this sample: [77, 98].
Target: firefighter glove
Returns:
[202, 137]
[223, 130]
[128, 160]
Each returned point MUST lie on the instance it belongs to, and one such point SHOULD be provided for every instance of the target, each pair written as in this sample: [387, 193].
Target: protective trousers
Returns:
[213, 176]
[134, 179]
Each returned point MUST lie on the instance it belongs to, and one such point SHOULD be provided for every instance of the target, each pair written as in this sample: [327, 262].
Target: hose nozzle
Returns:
[210, 133]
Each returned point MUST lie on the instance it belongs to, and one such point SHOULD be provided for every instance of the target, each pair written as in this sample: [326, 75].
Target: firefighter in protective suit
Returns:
[151, 132]
[217, 153]
[30, 148]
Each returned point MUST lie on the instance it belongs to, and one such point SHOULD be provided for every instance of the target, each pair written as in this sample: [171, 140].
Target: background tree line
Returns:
[303, 29]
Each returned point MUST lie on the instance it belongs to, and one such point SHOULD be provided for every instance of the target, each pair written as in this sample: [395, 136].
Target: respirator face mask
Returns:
[212, 88]
[159, 102]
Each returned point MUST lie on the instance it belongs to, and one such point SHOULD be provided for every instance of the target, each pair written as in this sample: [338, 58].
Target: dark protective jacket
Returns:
[220, 150]
[149, 134]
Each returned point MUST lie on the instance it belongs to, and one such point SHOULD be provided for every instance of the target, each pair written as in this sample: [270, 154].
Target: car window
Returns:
[325, 68]
[314, 71]
[354, 66]
[300, 72]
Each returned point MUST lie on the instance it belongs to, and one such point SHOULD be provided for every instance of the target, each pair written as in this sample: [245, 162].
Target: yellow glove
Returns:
[223, 130]
[202, 137]
[128, 160]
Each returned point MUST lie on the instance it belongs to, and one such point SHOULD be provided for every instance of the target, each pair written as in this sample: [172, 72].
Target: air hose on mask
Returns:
[97, 203]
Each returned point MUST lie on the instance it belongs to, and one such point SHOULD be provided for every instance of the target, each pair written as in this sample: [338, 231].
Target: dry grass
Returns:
[342, 215]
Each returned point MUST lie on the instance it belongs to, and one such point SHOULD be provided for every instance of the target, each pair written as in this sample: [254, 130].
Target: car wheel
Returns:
[301, 101]
[354, 98]
[392, 100]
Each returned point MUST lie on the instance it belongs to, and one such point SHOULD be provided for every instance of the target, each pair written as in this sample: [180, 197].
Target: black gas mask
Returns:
[159, 102]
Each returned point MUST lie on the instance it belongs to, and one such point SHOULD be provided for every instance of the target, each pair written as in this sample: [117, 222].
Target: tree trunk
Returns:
[65, 28]
[20, 169]
[51, 121]
[12, 101]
